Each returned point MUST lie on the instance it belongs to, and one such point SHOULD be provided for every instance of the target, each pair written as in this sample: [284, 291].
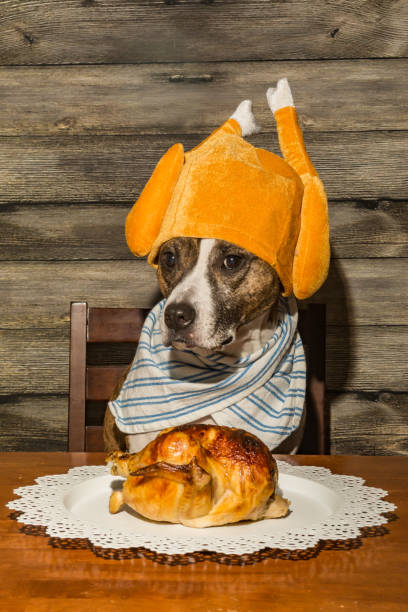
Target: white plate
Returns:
[311, 503]
[323, 506]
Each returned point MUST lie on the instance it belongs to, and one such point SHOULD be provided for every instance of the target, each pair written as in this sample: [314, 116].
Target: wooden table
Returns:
[35, 577]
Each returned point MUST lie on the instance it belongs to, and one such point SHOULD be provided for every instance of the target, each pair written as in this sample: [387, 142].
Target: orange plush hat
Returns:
[226, 188]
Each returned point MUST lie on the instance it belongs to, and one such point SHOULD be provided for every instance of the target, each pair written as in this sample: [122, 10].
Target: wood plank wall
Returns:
[94, 91]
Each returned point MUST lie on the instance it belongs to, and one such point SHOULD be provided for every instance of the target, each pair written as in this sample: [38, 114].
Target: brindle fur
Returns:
[242, 295]
[113, 438]
[186, 251]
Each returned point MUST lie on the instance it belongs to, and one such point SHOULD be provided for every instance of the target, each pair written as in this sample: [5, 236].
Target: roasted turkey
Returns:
[200, 476]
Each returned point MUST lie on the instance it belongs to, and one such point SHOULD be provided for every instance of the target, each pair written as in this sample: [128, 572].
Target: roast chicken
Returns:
[200, 476]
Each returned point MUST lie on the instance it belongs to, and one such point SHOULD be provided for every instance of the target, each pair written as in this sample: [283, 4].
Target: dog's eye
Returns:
[168, 259]
[232, 262]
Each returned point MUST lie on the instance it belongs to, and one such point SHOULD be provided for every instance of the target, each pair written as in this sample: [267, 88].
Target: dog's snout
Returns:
[179, 316]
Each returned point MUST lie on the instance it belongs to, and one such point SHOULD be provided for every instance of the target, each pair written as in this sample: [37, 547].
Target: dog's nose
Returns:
[178, 316]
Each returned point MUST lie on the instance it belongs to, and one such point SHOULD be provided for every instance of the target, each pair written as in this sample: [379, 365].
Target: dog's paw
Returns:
[279, 96]
[245, 117]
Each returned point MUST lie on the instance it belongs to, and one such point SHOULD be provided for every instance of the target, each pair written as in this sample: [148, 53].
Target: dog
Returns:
[219, 298]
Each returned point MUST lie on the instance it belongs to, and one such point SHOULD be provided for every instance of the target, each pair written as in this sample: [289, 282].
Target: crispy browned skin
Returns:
[201, 476]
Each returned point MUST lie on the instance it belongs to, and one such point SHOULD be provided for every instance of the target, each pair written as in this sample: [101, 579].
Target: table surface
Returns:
[36, 577]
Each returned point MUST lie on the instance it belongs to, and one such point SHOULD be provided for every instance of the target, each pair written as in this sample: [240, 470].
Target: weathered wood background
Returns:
[94, 91]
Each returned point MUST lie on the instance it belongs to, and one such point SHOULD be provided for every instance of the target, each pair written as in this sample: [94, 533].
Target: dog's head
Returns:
[212, 288]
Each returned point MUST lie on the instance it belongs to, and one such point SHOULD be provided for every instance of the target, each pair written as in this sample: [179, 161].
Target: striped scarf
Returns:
[262, 392]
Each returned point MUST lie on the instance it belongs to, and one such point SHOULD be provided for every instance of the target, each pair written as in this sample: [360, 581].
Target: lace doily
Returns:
[357, 507]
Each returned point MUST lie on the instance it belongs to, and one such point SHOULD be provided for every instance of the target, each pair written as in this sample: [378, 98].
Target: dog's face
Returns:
[212, 288]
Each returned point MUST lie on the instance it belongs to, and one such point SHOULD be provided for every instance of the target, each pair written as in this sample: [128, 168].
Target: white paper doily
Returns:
[324, 506]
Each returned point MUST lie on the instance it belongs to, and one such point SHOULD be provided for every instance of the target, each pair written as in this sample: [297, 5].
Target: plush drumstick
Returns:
[312, 253]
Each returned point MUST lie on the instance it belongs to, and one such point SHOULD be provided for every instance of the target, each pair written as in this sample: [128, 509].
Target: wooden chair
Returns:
[103, 342]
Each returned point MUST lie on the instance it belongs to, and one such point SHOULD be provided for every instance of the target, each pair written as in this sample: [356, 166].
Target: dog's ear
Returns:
[312, 253]
[145, 218]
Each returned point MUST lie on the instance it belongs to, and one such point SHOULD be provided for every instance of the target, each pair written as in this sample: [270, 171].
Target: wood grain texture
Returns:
[352, 165]
[34, 577]
[370, 358]
[124, 31]
[369, 229]
[197, 97]
[366, 292]
[95, 91]
[66, 231]
[34, 422]
[101, 381]
[96, 231]
[379, 422]
[77, 377]
[38, 294]
[114, 325]
[34, 361]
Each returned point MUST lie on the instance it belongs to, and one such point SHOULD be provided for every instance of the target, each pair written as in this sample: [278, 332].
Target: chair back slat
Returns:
[90, 385]
[312, 329]
[77, 364]
[115, 324]
[102, 380]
